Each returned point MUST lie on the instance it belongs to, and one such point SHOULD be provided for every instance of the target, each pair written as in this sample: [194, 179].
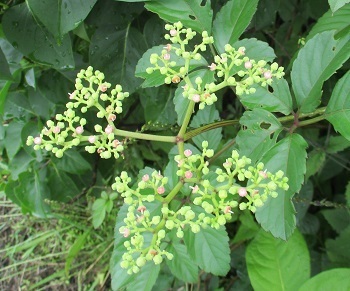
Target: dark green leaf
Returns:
[231, 21]
[277, 214]
[316, 62]
[34, 41]
[182, 103]
[192, 13]
[209, 249]
[338, 249]
[338, 109]
[116, 52]
[338, 218]
[62, 187]
[248, 228]
[72, 162]
[279, 100]
[335, 279]
[207, 115]
[12, 141]
[347, 194]
[314, 163]
[182, 266]
[156, 78]
[5, 73]
[20, 163]
[261, 129]
[278, 264]
[302, 200]
[4, 91]
[337, 144]
[60, 17]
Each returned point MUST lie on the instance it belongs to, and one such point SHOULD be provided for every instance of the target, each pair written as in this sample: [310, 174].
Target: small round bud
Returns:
[242, 192]
[188, 174]
[173, 32]
[37, 140]
[92, 139]
[109, 129]
[166, 57]
[212, 67]
[267, 75]
[248, 65]
[196, 98]
[79, 130]
[187, 153]
[160, 190]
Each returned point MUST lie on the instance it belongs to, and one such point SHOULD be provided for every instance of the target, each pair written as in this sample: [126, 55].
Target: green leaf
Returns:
[4, 91]
[62, 186]
[279, 100]
[158, 105]
[302, 200]
[347, 194]
[192, 13]
[260, 132]
[248, 228]
[335, 280]
[35, 42]
[336, 4]
[338, 218]
[338, 249]
[5, 73]
[98, 212]
[338, 109]
[156, 78]
[315, 162]
[182, 266]
[72, 162]
[146, 278]
[209, 249]
[205, 116]
[277, 214]
[20, 163]
[12, 141]
[182, 103]
[337, 144]
[60, 17]
[316, 62]
[278, 264]
[338, 21]
[116, 52]
[231, 21]
[75, 249]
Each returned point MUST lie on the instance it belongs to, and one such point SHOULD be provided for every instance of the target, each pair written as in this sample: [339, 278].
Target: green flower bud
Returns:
[242, 206]
[161, 234]
[157, 259]
[169, 224]
[195, 228]
[59, 154]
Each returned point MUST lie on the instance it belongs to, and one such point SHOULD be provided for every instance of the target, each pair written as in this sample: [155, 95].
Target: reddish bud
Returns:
[173, 32]
[248, 65]
[112, 117]
[92, 139]
[145, 178]
[187, 153]
[166, 57]
[196, 98]
[212, 67]
[141, 209]
[79, 130]
[242, 192]
[188, 174]
[109, 129]
[160, 190]
[56, 129]
[267, 75]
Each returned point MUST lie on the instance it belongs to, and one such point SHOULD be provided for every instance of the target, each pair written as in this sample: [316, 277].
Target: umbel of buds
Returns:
[214, 196]
[70, 128]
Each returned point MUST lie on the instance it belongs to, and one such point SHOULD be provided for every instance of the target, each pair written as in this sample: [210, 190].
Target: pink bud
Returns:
[180, 163]
[212, 67]
[227, 164]
[196, 98]
[109, 129]
[173, 32]
[160, 190]
[37, 140]
[263, 174]
[56, 129]
[126, 232]
[242, 51]
[103, 87]
[188, 153]
[227, 209]
[248, 65]
[267, 75]
[242, 192]
[112, 117]
[188, 174]
[168, 47]
[141, 209]
[166, 57]
[194, 189]
[116, 143]
[79, 130]
[145, 178]
[71, 95]
[92, 139]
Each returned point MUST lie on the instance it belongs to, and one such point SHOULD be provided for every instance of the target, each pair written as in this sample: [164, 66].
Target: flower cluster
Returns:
[91, 91]
[214, 195]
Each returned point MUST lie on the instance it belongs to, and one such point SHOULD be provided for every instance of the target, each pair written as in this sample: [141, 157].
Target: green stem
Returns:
[173, 192]
[311, 121]
[145, 136]
[186, 121]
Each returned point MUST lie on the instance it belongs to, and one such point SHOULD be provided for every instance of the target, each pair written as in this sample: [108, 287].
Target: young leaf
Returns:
[336, 4]
[192, 13]
[182, 266]
[209, 249]
[277, 214]
[316, 62]
[182, 103]
[231, 21]
[335, 279]
[60, 17]
[34, 41]
[208, 115]
[278, 264]
[156, 78]
[338, 109]
[261, 129]
[279, 100]
[98, 212]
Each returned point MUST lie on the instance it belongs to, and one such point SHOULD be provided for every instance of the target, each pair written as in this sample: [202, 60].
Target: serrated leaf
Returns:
[338, 109]
[182, 266]
[337, 21]
[182, 103]
[156, 78]
[146, 278]
[337, 144]
[279, 100]
[338, 218]
[231, 21]
[314, 163]
[5, 73]
[62, 186]
[60, 17]
[98, 212]
[277, 214]
[192, 13]
[256, 49]
[208, 115]
[72, 162]
[335, 279]
[248, 228]
[20, 163]
[116, 52]
[278, 264]
[260, 132]
[209, 249]
[338, 249]
[316, 62]
[336, 4]
[34, 41]
[302, 200]
[12, 142]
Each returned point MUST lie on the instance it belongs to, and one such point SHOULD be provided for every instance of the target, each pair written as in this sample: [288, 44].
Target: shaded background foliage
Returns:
[43, 44]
